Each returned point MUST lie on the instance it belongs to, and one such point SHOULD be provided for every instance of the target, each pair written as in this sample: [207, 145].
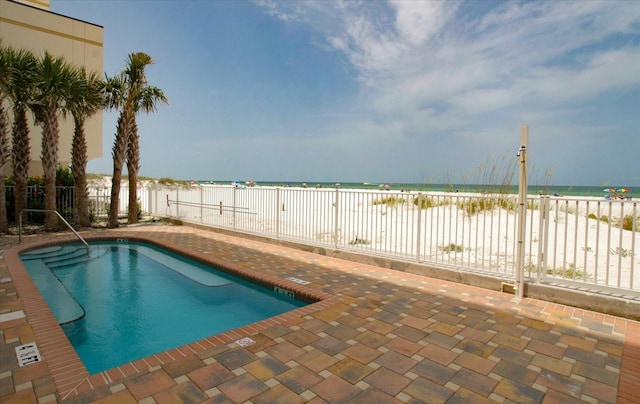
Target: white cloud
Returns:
[604, 72]
[418, 21]
[436, 67]
[411, 54]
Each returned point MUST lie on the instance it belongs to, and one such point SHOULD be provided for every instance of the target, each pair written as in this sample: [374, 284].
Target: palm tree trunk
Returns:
[79, 170]
[82, 216]
[119, 155]
[133, 166]
[116, 179]
[21, 155]
[4, 222]
[50, 135]
[4, 166]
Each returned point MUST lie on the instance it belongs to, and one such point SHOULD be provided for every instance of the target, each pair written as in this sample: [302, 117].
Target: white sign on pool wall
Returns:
[284, 291]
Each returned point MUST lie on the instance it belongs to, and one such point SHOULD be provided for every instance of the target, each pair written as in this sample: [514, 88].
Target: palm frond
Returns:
[149, 98]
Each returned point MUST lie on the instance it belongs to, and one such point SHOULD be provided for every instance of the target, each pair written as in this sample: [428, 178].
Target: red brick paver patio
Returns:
[375, 336]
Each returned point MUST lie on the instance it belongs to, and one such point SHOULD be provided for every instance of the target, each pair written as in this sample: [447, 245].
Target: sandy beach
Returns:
[587, 239]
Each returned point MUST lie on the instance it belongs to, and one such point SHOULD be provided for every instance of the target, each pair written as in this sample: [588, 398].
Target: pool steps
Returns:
[64, 255]
[63, 305]
[196, 274]
[60, 256]
[77, 257]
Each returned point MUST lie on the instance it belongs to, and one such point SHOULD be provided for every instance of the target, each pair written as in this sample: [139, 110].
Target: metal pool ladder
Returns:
[44, 211]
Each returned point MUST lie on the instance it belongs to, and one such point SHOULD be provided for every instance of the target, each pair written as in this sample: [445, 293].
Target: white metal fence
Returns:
[569, 240]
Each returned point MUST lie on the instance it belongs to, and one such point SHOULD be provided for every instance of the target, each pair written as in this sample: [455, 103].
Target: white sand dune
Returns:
[584, 238]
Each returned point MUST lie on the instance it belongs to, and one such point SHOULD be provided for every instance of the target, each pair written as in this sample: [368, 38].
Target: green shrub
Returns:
[64, 178]
[171, 181]
[359, 241]
[389, 201]
[427, 202]
[476, 205]
[568, 209]
[630, 223]
[508, 204]
[424, 202]
[623, 252]
[530, 267]
[569, 273]
[452, 248]
[533, 205]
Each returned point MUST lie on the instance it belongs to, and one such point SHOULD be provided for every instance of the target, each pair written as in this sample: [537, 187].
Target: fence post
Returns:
[419, 230]
[177, 201]
[149, 200]
[544, 237]
[277, 212]
[336, 219]
[201, 204]
[234, 207]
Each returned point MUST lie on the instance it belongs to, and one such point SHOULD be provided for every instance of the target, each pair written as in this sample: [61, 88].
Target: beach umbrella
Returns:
[623, 190]
[609, 190]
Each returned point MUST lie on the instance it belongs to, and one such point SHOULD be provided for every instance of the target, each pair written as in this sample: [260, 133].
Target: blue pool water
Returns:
[126, 301]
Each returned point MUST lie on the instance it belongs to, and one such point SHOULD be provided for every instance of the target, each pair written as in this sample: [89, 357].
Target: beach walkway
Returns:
[377, 336]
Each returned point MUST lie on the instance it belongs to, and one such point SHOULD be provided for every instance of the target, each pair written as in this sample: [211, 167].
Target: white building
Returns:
[29, 24]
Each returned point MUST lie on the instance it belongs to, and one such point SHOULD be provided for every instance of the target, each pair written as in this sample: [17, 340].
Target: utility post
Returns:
[522, 210]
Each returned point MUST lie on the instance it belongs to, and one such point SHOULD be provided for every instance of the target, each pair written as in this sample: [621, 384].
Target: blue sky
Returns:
[380, 91]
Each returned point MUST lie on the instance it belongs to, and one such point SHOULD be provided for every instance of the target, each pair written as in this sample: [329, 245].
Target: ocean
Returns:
[557, 190]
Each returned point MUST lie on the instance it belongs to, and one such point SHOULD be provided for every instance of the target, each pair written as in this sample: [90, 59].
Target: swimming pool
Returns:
[123, 301]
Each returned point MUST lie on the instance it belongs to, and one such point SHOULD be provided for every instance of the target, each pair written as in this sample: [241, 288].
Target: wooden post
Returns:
[522, 210]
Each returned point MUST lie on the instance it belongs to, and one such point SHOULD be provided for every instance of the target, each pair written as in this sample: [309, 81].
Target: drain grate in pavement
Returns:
[28, 354]
[246, 341]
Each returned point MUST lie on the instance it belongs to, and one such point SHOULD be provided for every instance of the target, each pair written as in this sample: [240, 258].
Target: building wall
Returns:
[30, 25]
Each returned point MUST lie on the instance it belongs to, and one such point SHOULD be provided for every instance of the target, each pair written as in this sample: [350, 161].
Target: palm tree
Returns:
[149, 97]
[19, 87]
[85, 99]
[129, 90]
[54, 76]
[4, 138]
[115, 97]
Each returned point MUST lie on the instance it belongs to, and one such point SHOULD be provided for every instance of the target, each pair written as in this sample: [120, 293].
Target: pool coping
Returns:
[69, 374]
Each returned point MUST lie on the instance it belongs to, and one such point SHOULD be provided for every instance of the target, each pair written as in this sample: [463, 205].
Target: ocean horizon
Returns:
[556, 190]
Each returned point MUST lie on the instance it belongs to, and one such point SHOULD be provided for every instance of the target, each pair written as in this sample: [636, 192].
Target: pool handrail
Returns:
[51, 211]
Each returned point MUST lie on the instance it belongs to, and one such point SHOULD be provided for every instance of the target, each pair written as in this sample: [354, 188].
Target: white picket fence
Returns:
[569, 240]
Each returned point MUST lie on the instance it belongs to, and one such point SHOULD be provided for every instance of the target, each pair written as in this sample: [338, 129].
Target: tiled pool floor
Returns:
[377, 336]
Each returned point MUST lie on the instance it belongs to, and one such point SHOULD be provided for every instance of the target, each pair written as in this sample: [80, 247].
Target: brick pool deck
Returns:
[375, 336]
